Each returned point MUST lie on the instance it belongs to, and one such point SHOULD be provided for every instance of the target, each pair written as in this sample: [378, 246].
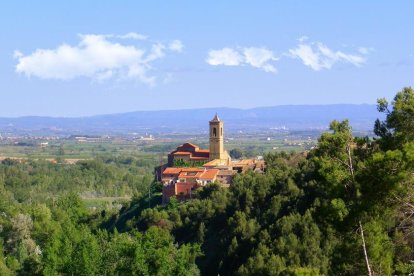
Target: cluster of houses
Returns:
[190, 167]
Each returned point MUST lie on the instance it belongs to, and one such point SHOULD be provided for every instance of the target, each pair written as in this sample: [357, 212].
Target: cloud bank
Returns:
[256, 57]
[315, 55]
[99, 57]
[318, 56]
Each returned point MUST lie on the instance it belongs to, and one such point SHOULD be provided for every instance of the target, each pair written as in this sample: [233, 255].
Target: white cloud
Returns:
[176, 45]
[260, 58]
[308, 56]
[253, 56]
[137, 71]
[225, 56]
[133, 35]
[95, 56]
[157, 52]
[318, 56]
[315, 55]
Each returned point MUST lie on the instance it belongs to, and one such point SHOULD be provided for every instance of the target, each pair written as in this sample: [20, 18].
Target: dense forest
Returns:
[344, 208]
[39, 180]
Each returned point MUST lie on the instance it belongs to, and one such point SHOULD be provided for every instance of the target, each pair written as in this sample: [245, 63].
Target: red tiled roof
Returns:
[192, 170]
[209, 174]
[182, 153]
[192, 150]
[172, 171]
[189, 145]
[190, 174]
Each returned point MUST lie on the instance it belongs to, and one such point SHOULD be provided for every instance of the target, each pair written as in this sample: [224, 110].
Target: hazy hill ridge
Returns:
[291, 117]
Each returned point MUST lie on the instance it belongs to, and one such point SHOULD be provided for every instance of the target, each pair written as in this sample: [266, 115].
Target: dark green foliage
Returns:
[184, 164]
[236, 153]
[57, 240]
[398, 128]
[39, 180]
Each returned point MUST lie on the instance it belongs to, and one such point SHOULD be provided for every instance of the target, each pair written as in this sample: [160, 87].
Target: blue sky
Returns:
[75, 58]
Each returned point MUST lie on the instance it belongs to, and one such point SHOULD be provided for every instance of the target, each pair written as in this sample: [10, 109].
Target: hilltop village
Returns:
[190, 167]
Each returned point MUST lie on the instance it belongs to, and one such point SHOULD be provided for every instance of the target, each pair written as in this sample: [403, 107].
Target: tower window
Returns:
[214, 132]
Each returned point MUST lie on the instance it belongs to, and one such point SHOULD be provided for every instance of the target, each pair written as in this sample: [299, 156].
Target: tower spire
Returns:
[216, 118]
[216, 138]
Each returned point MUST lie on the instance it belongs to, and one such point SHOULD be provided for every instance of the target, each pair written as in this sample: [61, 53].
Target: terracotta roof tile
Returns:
[189, 145]
[192, 170]
[182, 153]
[190, 174]
[172, 171]
[209, 174]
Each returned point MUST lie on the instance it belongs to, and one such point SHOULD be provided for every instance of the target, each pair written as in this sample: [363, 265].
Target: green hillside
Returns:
[343, 208]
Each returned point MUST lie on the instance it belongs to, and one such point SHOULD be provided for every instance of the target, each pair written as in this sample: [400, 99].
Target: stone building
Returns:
[189, 153]
[202, 166]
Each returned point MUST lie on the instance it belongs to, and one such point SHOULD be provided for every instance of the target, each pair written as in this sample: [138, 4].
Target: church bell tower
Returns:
[216, 139]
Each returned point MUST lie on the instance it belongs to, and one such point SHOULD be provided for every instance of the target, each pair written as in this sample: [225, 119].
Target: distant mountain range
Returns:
[292, 117]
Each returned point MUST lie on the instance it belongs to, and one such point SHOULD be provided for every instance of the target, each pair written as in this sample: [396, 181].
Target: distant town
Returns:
[253, 143]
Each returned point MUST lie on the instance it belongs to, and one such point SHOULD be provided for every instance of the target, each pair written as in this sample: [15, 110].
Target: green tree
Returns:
[398, 128]
[236, 153]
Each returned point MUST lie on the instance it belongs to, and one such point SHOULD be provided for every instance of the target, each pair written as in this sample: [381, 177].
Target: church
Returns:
[190, 167]
[192, 153]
